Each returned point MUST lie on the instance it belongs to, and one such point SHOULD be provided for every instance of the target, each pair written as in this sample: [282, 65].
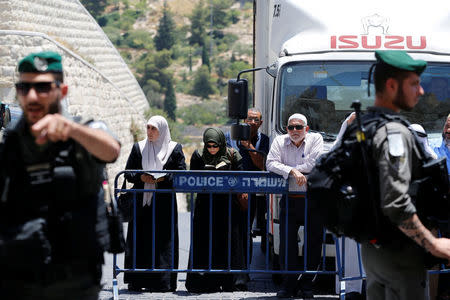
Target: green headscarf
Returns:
[215, 135]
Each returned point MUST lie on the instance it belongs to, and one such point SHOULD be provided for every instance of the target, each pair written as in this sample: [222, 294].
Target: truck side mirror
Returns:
[237, 98]
[237, 108]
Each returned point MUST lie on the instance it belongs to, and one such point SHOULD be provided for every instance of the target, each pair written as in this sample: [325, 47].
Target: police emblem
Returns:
[40, 64]
[232, 181]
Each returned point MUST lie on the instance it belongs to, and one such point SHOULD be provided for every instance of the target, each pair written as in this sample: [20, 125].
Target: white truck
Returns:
[320, 52]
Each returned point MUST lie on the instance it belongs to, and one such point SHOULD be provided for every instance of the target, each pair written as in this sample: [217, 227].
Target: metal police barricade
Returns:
[228, 182]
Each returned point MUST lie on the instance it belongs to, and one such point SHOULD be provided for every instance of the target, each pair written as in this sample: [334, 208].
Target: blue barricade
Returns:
[230, 182]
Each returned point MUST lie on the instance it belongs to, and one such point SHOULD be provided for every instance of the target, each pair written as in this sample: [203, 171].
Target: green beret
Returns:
[41, 62]
[400, 60]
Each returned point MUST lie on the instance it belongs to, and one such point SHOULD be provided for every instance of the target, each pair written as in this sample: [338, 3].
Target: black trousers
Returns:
[293, 218]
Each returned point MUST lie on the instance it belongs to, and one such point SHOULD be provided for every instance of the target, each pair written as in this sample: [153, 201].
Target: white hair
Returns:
[298, 117]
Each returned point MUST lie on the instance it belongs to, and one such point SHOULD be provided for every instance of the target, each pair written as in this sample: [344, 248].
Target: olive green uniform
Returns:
[396, 269]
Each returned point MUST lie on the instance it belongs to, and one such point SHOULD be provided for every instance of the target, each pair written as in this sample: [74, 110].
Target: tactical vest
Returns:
[347, 191]
[61, 184]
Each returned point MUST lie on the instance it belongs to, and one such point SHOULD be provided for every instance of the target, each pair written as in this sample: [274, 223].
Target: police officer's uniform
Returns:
[395, 270]
[61, 184]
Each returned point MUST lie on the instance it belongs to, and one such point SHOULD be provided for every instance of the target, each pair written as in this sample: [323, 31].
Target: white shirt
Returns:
[284, 155]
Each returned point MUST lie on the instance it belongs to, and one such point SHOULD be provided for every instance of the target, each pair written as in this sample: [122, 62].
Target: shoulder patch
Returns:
[396, 145]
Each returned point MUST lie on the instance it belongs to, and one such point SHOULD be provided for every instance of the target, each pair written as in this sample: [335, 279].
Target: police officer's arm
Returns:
[412, 227]
[393, 150]
[55, 127]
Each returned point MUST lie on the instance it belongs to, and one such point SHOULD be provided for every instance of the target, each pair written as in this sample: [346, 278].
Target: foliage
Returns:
[138, 39]
[202, 87]
[123, 21]
[198, 20]
[113, 34]
[154, 71]
[154, 99]
[170, 101]
[165, 36]
[226, 42]
[209, 112]
[136, 131]
[205, 57]
[95, 8]
[221, 13]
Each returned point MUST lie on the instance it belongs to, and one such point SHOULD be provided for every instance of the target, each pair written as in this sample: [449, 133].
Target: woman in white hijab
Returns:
[156, 152]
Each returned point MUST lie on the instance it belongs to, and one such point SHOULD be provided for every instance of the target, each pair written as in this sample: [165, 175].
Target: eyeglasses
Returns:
[212, 146]
[256, 120]
[421, 134]
[297, 127]
[23, 88]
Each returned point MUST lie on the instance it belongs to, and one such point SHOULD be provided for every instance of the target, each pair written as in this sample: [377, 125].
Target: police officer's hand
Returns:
[52, 127]
[441, 248]
[299, 177]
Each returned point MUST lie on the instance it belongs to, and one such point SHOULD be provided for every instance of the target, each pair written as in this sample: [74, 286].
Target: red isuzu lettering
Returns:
[377, 42]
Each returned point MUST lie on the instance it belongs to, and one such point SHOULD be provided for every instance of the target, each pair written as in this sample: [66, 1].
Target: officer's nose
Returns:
[32, 94]
[421, 91]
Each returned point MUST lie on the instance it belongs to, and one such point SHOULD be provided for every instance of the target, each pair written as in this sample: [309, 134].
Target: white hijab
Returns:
[155, 154]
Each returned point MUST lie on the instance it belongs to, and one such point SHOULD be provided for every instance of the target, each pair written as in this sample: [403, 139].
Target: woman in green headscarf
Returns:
[216, 156]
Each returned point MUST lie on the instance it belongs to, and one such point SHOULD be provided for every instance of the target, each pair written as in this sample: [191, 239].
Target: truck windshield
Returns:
[324, 91]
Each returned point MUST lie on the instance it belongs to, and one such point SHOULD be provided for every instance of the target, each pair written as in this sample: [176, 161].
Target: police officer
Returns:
[396, 270]
[51, 181]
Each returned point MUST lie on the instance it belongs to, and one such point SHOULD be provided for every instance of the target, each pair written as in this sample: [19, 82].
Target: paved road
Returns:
[260, 287]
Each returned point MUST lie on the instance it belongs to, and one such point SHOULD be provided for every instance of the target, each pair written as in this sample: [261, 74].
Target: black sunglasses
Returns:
[297, 127]
[23, 88]
[212, 146]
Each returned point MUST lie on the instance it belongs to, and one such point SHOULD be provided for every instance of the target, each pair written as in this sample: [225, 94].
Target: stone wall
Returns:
[101, 86]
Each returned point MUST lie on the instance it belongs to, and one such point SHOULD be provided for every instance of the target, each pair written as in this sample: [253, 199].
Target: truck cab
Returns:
[319, 54]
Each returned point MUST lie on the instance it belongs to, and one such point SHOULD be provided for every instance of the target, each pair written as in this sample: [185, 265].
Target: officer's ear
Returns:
[392, 85]
[64, 89]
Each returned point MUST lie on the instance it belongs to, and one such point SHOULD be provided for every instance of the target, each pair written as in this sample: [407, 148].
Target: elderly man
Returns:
[294, 154]
[51, 192]
[444, 149]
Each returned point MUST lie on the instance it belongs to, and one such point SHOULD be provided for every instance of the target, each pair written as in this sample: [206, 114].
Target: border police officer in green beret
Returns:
[396, 270]
[53, 227]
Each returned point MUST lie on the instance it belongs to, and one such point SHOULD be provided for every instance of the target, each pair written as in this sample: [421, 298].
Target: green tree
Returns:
[205, 57]
[170, 101]
[154, 71]
[198, 20]
[202, 86]
[165, 36]
[138, 39]
[95, 7]
[221, 12]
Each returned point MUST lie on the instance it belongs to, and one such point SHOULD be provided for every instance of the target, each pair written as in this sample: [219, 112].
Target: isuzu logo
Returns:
[380, 40]
[377, 42]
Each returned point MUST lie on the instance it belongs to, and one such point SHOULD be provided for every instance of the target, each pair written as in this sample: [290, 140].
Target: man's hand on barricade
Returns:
[243, 201]
[150, 179]
[299, 177]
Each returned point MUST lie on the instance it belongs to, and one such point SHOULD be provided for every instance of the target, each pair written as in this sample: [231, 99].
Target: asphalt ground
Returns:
[260, 286]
